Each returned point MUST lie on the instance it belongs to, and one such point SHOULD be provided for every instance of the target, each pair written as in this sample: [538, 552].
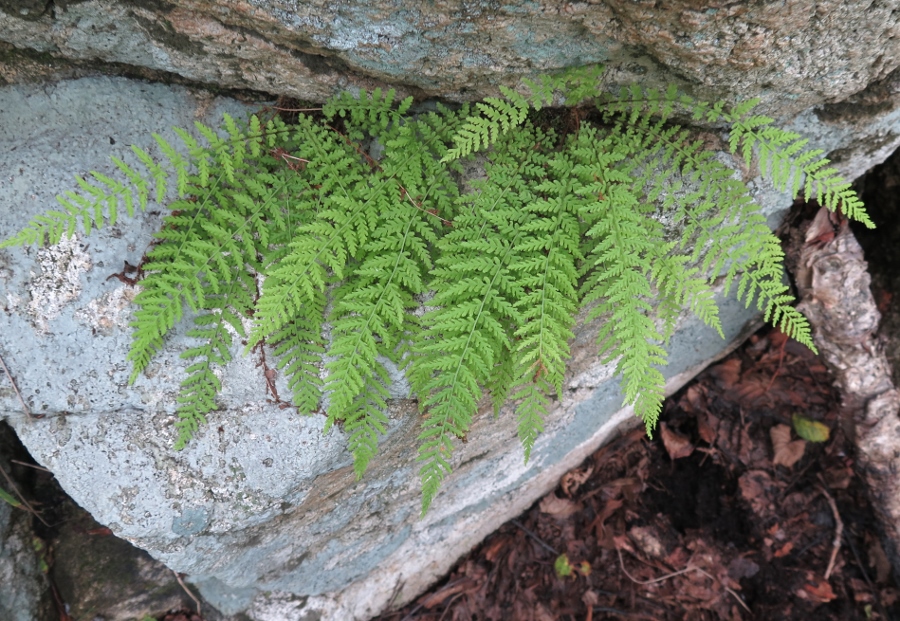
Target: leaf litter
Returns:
[746, 506]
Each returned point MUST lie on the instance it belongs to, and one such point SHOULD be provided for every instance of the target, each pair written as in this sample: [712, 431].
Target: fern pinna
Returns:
[358, 223]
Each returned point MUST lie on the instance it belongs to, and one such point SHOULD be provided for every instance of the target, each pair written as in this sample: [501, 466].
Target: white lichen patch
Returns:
[59, 282]
[110, 311]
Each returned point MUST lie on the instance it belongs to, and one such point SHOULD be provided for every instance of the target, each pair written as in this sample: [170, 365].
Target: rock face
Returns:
[262, 510]
[792, 54]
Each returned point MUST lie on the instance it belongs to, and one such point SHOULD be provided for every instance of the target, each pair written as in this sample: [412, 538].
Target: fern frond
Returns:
[496, 117]
[618, 285]
[197, 397]
[546, 267]
[367, 114]
[783, 157]
[350, 207]
[474, 305]
[365, 419]
[298, 348]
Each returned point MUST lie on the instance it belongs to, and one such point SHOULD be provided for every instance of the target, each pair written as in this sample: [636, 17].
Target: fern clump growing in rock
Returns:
[359, 216]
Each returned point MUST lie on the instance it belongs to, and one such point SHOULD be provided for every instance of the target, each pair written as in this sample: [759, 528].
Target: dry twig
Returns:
[22, 498]
[543, 543]
[838, 529]
[27, 465]
[188, 591]
[687, 569]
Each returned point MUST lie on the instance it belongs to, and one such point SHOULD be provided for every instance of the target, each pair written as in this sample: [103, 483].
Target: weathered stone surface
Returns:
[793, 54]
[262, 511]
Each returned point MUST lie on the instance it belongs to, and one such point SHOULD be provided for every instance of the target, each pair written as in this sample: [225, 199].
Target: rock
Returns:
[25, 595]
[99, 575]
[793, 55]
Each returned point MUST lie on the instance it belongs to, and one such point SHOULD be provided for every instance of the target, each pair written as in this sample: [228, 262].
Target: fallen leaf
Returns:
[647, 540]
[809, 429]
[435, 599]
[742, 568]
[728, 373]
[574, 479]
[818, 591]
[786, 452]
[609, 508]
[838, 477]
[492, 550]
[821, 229]
[560, 508]
[755, 486]
[784, 550]
[707, 427]
[677, 445]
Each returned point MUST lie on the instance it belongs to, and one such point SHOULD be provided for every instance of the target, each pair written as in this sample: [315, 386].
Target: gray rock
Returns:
[100, 576]
[262, 510]
[792, 55]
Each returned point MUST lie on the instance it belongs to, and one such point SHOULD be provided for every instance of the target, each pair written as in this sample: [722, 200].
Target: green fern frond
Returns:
[197, 397]
[474, 305]
[784, 158]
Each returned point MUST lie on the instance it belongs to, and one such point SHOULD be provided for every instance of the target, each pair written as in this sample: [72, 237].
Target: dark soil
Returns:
[726, 514]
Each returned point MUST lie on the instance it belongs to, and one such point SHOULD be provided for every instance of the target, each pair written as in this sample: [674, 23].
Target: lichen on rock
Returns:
[59, 282]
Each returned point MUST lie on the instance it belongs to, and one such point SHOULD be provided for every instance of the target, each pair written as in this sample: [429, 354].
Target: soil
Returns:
[726, 514]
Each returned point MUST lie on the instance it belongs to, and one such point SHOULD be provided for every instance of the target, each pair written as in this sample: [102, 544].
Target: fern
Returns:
[355, 218]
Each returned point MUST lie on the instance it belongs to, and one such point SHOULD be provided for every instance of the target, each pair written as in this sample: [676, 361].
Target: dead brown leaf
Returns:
[838, 477]
[707, 427]
[755, 486]
[574, 479]
[787, 452]
[559, 508]
[609, 508]
[677, 445]
[817, 590]
[728, 373]
[784, 550]
[648, 540]
[492, 549]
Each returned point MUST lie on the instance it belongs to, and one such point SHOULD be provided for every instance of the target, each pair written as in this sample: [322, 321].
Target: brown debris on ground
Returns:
[746, 505]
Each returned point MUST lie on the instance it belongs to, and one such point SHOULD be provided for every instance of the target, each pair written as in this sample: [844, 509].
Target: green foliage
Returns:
[373, 250]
